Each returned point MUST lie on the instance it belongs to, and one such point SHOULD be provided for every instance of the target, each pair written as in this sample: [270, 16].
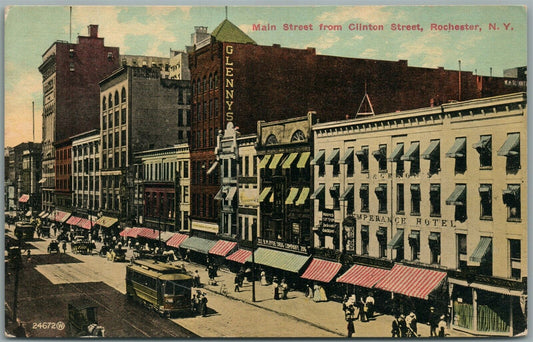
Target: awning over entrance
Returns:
[240, 256]
[281, 260]
[264, 194]
[24, 198]
[176, 240]
[222, 247]
[198, 244]
[264, 161]
[292, 196]
[304, 157]
[397, 240]
[482, 249]
[511, 145]
[411, 281]
[289, 161]
[321, 270]
[364, 276]
[275, 161]
[106, 221]
[73, 220]
[304, 194]
[458, 195]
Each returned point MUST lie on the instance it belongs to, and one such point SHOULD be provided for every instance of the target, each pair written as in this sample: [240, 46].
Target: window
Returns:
[462, 256]
[458, 199]
[110, 140]
[363, 195]
[104, 104]
[271, 140]
[458, 151]
[434, 247]
[415, 199]
[123, 116]
[185, 194]
[413, 155]
[123, 95]
[381, 235]
[485, 194]
[215, 77]
[414, 242]
[116, 97]
[110, 99]
[335, 195]
[511, 150]
[110, 120]
[185, 169]
[362, 156]
[434, 200]
[117, 138]
[117, 118]
[333, 159]
[381, 193]
[484, 148]
[511, 198]
[246, 165]
[400, 199]
[298, 136]
[381, 157]
[396, 157]
[515, 258]
[364, 239]
[320, 196]
[123, 138]
[319, 161]
[432, 153]
[348, 160]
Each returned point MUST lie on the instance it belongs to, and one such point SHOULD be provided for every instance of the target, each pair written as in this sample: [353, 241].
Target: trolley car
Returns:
[24, 231]
[163, 287]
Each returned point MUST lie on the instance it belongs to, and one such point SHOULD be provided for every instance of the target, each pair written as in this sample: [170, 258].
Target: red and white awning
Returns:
[365, 276]
[73, 220]
[411, 281]
[176, 240]
[148, 233]
[24, 198]
[85, 224]
[321, 270]
[239, 256]
[222, 247]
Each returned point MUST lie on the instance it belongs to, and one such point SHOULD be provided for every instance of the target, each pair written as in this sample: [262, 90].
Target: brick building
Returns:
[63, 174]
[71, 73]
[234, 79]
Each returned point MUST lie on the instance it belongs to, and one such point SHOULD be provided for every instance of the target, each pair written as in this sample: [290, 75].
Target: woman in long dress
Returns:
[323, 294]
[264, 281]
[316, 293]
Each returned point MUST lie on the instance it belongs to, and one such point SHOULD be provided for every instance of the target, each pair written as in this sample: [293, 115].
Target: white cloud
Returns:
[429, 50]
[322, 43]
[368, 14]
[356, 37]
[369, 53]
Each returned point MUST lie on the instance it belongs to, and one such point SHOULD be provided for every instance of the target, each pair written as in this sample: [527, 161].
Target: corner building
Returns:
[439, 191]
[235, 80]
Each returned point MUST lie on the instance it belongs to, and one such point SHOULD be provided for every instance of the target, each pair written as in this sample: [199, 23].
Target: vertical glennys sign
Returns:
[228, 82]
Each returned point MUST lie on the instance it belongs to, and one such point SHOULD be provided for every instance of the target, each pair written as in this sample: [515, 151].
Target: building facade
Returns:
[63, 174]
[441, 188]
[70, 74]
[139, 111]
[86, 191]
[27, 172]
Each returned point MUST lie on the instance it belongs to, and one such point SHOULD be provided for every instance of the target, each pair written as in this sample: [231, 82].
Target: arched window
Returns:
[104, 103]
[199, 83]
[204, 85]
[298, 136]
[271, 140]
[123, 95]
[110, 101]
[210, 81]
[216, 80]
[116, 98]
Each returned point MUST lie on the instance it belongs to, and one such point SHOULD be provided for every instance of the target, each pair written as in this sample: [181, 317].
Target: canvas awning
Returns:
[411, 281]
[483, 143]
[85, 224]
[348, 156]
[292, 196]
[212, 168]
[304, 194]
[302, 162]
[510, 146]
[361, 154]
[319, 158]
[275, 161]
[264, 194]
[131, 232]
[176, 240]
[221, 193]
[321, 270]
[106, 221]
[333, 157]
[396, 153]
[432, 152]
[458, 195]
[318, 192]
[458, 149]
[43, 214]
[412, 152]
[281, 260]
[73, 220]
[264, 161]
[365, 276]
[28, 213]
[289, 161]
[198, 244]
[42, 180]
[397, 240]
[240, 256]
[61, 216]
[347, 193]
[222, 247]
[24, 198]
[482, 249]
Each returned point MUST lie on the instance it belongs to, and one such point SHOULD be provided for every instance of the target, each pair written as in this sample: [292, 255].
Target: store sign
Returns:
[412, 221]
[281, 244]
[228, 82]
[328, 225]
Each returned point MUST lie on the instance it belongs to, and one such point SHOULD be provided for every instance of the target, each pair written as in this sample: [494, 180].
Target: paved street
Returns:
[60, 278]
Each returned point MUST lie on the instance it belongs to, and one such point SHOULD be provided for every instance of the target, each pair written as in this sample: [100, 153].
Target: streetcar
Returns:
[163, 287]
[24, 230]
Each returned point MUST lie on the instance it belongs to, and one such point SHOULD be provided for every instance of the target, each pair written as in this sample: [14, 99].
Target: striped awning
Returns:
[411, 281]
[281, 260]
[176, 240]
[86, 224]
[43, 214]
[364, 276]
[198, 244]
[321, 270]
[292, 196]
[304, 194]
[73, 220]
[60, 216]
[289, 161]
[130, 232]
[240, 256]
[222, 247]
[153, 234]
[24, 198]
[275, 161]
[264, 161]
[302, 162]
[483, 247]
[106, 221]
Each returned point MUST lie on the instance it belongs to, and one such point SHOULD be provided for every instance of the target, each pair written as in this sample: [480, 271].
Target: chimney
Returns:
[93, 31]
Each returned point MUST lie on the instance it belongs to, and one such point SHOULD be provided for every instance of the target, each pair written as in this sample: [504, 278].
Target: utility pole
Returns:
[254, 243]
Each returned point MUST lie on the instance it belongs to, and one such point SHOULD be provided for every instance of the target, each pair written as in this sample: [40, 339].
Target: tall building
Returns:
[71, 73]
[235, 80]
[140, 111]
[27, 172]
[86, 192]
[63, 174]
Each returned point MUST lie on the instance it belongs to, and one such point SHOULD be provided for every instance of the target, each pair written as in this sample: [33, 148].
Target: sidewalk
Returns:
[327, 316]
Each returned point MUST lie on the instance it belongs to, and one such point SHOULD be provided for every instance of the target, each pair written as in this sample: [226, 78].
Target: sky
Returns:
[30, 30]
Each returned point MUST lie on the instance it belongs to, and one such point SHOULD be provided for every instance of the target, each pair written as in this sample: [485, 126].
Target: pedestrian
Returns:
[194, 304]
[351, 328]
[370, 305]
[362, 310]
[203, 303]
[442, 326]
[403, 326]
[64, 245]
[395, 331]
[284, 289]
[237, 283]
[309, 291]
[196, 279]
[264, 281]
[20, 331]
[411, 322]
[349, 309]
[28, 255]
[276, 288]
[433, 321]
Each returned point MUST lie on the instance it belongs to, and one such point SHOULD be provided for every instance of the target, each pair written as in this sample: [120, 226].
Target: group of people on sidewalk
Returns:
[406, 326]
[199, 303]
[364, 307]
[281, 289]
